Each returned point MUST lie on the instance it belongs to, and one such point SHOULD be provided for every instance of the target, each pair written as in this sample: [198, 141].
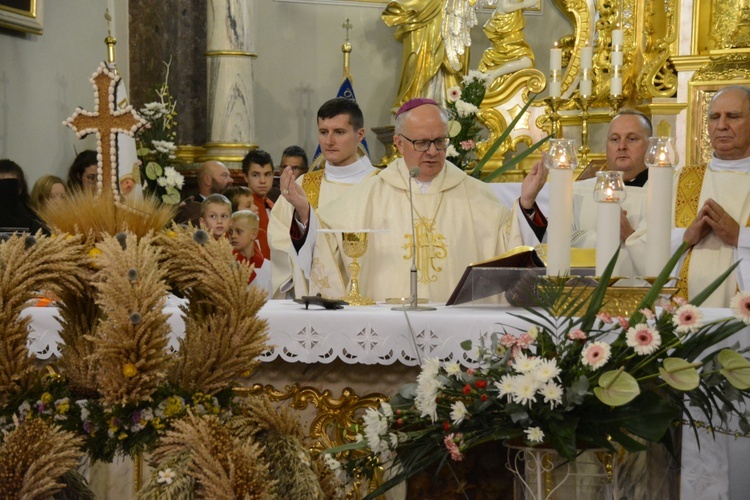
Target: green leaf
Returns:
[680, 374]
[454, 128]
[617, 387]
[736, 369]
[142, 151]
[172, 196]
[153, 170]
[466, 345]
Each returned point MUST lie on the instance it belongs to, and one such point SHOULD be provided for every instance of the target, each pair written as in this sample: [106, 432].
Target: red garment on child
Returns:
[263, 204]
[257, 260]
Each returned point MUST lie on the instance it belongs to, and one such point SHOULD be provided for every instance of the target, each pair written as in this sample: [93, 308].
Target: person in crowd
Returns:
[340, 130]
[213, 178]
[216, 215]
[257, 166]
[243, 235]
[48, 188]
[295, 158]
[14, 196]
[82, 174]
[627, 142]
[241, 198]
[458, 219]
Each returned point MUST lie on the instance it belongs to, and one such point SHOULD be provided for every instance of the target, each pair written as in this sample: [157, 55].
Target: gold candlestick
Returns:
[355, 246]
[583, 152]
[554, 104]
[615, 103]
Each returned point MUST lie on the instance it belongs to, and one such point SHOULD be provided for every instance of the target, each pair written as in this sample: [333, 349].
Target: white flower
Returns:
[643, 339]
[504, 386]
[376, 426]
[534, 434]
[453, 368]
[431, 368]
[154, 110]
[552, 393]
[451, 151]
[595, 354]
[167, 147]
[458, 412]
[454, 93]
[386, 409]
[533, 332]
[687, 319]
[24, 409]
[162, 181]
[174, 178]
[475, 75]
[392, 441]
[463, 109]
[331, 462]
[427, 390]
[166, 476]
[740, 305]
[525, 364]
[524, 389]
[546, 369]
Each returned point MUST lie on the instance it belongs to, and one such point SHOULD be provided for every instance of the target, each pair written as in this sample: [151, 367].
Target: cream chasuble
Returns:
[584, 220]
[727, 183]
[458, 221]
[330, 185]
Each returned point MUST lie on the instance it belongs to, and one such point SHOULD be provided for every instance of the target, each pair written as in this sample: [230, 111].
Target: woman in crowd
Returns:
[82, 173]
[14, 197]
[47, 188]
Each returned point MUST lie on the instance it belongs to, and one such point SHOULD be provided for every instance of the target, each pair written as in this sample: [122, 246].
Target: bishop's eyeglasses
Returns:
[423, 145]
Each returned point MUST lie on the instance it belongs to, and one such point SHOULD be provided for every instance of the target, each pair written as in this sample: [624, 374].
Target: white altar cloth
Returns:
[379, 336]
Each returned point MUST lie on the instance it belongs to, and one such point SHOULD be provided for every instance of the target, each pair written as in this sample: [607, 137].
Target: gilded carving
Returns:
[730, 27]
[658, 78]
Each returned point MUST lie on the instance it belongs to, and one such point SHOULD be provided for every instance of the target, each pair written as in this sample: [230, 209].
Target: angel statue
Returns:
[436, 36]
[509, 52]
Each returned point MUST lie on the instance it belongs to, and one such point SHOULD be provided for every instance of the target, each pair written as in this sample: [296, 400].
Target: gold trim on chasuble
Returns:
[430, 247]
[311, 183]
[685, 209]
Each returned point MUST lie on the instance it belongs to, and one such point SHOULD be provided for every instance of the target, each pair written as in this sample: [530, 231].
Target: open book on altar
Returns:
[513, 274]
[497, 275]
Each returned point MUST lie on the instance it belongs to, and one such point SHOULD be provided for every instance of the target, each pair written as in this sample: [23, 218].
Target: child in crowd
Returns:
[244, 234]
[241, 198]
[216, 215]
[257, 167]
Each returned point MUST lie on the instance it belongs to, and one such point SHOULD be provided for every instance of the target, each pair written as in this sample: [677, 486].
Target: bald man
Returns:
[213, 177]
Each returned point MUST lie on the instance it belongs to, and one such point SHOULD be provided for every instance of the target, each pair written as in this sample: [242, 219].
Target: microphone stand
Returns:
[413, 299]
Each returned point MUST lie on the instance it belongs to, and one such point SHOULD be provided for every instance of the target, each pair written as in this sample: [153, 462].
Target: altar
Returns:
[358, 355]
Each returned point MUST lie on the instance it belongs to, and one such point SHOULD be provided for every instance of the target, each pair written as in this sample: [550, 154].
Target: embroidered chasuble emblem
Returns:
[318, 277]
[311, 184]
[685, 209]
[430, 249]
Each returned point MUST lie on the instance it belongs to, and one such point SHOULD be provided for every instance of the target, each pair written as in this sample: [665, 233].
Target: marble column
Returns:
[231, 120]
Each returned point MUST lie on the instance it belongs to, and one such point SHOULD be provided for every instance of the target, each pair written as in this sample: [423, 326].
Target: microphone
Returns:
[413, 297]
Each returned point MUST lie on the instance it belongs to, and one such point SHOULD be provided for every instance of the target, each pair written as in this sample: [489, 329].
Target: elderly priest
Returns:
[458, 219]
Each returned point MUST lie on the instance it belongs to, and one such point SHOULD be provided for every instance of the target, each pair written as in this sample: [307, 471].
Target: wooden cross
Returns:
[106, 122]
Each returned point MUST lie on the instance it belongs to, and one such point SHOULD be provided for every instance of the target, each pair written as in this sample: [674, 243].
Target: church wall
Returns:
[42, 80]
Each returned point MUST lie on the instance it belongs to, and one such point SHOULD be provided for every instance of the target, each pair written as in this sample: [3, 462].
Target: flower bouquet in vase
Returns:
[573, 379]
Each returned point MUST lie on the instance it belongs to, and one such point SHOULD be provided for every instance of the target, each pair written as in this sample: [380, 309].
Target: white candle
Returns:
[615, 86]
[585, 88]
[587, 56]
[555, 88]
[555, 60]
[607, 233]
[616, 58]
[617, 37]
[560, 220]
[658, 218]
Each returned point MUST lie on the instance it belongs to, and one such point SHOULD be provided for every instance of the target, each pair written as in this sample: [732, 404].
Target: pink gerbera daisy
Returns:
[740, 305]
[643, 339]
[688, 319]
[595, 355]
[577, 334]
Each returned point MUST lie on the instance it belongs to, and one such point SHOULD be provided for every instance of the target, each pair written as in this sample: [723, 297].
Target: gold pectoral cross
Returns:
[430, 248]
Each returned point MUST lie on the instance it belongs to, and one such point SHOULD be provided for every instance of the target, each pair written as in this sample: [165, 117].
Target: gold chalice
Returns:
[355, 246]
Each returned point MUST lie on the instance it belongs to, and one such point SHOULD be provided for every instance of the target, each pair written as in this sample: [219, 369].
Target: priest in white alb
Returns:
[458, 219]
[712, 202]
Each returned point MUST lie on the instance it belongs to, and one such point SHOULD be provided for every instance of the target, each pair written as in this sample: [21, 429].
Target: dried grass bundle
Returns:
[223, 335]
[86, 213]
[29, 264]
[224, 467]
[130, 344]
[33, 458]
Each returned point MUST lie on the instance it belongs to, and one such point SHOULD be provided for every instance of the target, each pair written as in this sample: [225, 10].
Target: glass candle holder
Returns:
[609, 187]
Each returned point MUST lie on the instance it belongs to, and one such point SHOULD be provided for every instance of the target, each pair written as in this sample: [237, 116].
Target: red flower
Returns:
[483, 397]
[400, 421]
[446, 426]
[480, 384]
[467, 389]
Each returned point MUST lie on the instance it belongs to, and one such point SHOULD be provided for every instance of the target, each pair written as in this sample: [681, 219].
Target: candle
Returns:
[607, 232]
[585, 88]
[555, 59]
[615, 86]
[560, 221]
[555, 71]
[616, 58]
[555, 88]
[561, 161]
[587, 56]
[617, 37]
[660, 158]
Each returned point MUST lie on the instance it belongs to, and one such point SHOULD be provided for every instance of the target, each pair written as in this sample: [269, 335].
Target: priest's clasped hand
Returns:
[295, 195]
[712, 217]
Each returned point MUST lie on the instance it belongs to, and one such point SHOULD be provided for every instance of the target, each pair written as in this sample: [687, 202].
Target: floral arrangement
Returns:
[465, 130]
[577, 379]
[156, 146]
